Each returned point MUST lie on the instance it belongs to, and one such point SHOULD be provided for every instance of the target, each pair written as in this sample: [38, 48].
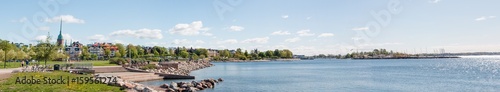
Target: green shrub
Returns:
[150, 66]
[139, 60]
[117, 60]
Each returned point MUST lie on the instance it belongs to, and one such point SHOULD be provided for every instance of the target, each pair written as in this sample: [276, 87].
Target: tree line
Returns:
[253, 54]
[48, 51]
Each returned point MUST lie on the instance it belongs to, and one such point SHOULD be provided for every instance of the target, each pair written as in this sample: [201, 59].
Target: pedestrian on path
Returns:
[22, 63]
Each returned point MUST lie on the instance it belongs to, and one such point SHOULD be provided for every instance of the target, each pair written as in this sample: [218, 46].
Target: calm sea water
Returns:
[422, 75]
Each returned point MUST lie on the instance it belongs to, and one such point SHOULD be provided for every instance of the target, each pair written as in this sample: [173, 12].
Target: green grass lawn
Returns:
[9, 85]
[18, 64]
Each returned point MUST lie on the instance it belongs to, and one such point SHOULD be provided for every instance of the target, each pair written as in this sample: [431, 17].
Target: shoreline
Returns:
[262, 60]
[183, 68]
[440, 57]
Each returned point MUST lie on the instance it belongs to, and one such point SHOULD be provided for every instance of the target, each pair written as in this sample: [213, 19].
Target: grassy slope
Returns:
[9, 85]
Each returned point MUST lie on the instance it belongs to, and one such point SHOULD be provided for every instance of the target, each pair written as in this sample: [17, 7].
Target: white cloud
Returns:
[360, 28]
[280, 33]
[67, 37]
[181, 41]
[484, 18]
[43, 28]
[378, 44]
[186, 41]
[97, 38]
[284, 16]
[256, 40]
[188, 29]
[236, 28]
[228, 41]
[65, 18]
[307, 50]
[305, 33]
[308, 18]
[292, 39]
[40, 37]
[208, 34]
[434, 1]
[120, 41]
[356, 38]
[199, 42]
[326, 35]
[141, 33]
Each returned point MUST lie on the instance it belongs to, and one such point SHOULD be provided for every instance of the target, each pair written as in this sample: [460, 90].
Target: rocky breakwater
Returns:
[180, 68]
[192, 86]
[128, 86]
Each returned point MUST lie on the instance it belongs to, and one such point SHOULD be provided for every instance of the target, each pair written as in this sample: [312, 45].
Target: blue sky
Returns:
[304, 26]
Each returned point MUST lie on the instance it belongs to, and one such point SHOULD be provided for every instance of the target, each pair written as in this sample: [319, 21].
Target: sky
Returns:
[307, 27]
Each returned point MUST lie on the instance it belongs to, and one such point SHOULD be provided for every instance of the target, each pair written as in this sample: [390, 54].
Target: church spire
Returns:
[60, 37]
[60, 27]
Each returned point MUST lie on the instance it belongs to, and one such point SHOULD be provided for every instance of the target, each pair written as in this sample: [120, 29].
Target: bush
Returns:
[154, 59]
[150, 66]
[117, 60]
[140, 60]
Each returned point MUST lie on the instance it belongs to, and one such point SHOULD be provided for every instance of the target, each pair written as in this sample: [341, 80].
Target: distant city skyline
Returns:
[307, 27]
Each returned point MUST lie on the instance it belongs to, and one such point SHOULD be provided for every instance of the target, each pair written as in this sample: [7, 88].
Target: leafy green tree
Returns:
[254, 56]
[201, 51]
[11, 55]
[184, 54]
[121, 49]
[57, 55]
[269, 53]
[94, 56]
[195, 57]
[132, 51]
[118, 54]
[246, 53]
[85, 53]
[21, 55]
[6, 45]
[140, 51]
[262, 54]
[156, 53]
[45, 50]
[2, 55]
[277, 53]
[224, 53]
[289, 54]
[107, 52]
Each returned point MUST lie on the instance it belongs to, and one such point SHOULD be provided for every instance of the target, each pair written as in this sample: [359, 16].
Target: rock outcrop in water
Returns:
[192, 86]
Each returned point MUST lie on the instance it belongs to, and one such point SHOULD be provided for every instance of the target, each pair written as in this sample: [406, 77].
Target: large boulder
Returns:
[129, 85]
[194, 83]
[165, 86]
[200, 87]
[174, 86]
[170, 90]
[139, 88]
[192, 89]
[220, 80]
[148, 89]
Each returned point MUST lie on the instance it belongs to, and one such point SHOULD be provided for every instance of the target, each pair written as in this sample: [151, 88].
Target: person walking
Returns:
[27, 62]
[22, 64]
